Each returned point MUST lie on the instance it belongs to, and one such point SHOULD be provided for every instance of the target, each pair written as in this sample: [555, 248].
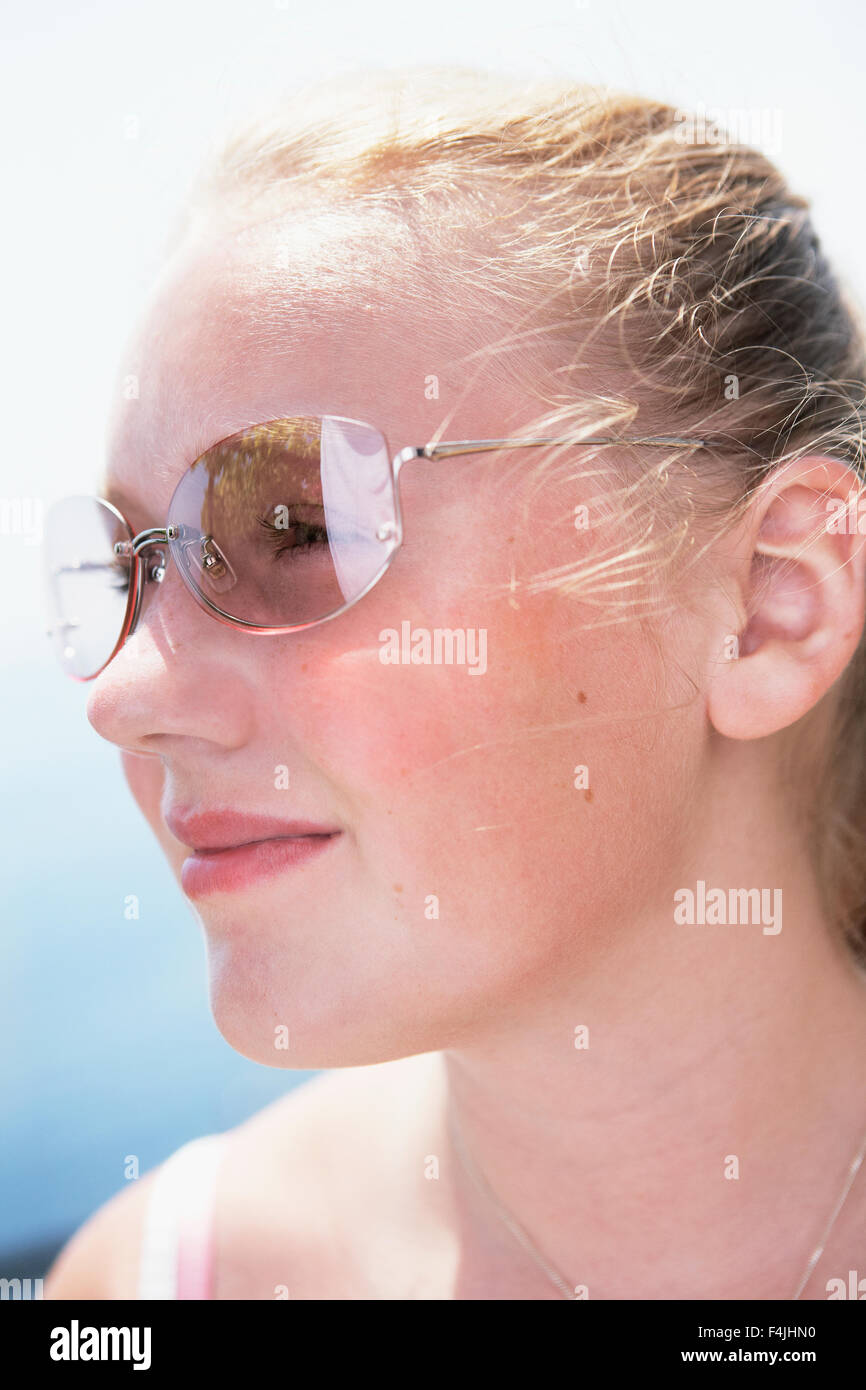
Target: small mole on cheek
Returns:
[398, 888]
[581, 698]
[588, 794]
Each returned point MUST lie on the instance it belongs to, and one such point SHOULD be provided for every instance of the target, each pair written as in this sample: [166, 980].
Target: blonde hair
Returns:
[686, 275]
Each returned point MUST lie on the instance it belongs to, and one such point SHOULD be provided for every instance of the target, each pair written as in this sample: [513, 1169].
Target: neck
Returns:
[717, 1089]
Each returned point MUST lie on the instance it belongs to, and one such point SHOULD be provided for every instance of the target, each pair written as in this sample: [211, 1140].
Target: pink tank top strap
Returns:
[177, 1250]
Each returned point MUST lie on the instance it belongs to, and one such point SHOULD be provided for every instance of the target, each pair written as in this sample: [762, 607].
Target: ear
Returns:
[800, 574]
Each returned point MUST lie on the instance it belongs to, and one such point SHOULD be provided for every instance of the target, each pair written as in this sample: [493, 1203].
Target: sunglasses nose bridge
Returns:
[135, 551]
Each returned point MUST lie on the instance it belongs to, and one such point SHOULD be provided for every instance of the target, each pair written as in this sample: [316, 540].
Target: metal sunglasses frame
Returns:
[163, 535]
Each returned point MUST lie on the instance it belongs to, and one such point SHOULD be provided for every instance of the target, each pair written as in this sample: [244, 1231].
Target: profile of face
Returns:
[477, 874]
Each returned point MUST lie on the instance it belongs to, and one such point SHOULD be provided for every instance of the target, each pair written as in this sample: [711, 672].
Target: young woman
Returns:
[516, 784]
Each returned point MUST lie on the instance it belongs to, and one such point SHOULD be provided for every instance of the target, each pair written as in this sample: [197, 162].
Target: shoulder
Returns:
[304, 1181]
[100, 1260]
[103, 1258]
[279, 1175]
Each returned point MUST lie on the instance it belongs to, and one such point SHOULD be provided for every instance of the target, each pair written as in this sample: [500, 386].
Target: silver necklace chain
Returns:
[553, 1274]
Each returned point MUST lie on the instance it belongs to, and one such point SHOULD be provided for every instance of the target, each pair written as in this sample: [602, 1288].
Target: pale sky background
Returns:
[99, 1012]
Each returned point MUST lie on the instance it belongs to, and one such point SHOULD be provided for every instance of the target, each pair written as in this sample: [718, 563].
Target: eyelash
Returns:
[278, 533]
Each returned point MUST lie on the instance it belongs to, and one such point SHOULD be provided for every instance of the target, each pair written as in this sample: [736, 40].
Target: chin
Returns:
[268, 1012]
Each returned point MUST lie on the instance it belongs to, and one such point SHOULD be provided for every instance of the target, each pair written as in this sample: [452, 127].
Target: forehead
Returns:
[326, 312]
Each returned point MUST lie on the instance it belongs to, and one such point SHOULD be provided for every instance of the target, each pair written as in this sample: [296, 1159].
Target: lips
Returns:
[232, 851]
[206, 831]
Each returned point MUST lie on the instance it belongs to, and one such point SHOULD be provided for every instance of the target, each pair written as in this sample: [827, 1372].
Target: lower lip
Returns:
[231, 870]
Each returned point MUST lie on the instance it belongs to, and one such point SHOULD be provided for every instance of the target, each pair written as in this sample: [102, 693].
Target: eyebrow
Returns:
[124, 501]
[115, 493]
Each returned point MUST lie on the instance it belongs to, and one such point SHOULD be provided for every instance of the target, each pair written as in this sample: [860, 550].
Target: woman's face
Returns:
[472, 881]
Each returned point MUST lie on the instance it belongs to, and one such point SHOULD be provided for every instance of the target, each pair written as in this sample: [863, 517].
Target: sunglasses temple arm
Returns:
[480, 446]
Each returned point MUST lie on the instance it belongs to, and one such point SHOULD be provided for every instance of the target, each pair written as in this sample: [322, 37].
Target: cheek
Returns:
[434, 746]
[468, 776]
[377, 725]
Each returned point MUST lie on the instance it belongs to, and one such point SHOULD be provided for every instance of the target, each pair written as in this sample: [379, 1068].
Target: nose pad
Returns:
[156, 565]
[210, 563]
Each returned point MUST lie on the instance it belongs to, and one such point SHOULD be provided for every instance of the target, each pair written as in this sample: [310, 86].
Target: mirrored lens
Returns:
[86, 584]
[287, 522]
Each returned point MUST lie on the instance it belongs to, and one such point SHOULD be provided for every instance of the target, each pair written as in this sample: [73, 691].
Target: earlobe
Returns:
[802, 583]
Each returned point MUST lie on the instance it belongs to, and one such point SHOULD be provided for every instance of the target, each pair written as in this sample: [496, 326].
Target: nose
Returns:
[180, 674]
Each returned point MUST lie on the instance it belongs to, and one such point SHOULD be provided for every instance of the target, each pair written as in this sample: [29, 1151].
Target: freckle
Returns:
[303, 665]
[588, 794]
[510, 540]
[581, 697]
[398, 888]
[404, 772]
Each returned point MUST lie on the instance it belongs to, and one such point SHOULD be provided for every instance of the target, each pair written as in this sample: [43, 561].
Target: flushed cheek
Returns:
[379, 704]
[396, 721]
[395, 706]
[441, 764]
[441, 742]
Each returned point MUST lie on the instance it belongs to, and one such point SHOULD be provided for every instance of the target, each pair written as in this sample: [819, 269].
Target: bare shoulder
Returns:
[100, 1260]
[301, 1180]
[279, 1185]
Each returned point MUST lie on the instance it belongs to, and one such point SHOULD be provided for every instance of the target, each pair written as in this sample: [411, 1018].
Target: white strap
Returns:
[187, 1171]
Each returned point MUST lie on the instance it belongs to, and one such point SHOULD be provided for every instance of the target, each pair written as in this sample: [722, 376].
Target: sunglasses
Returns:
[273, 530]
